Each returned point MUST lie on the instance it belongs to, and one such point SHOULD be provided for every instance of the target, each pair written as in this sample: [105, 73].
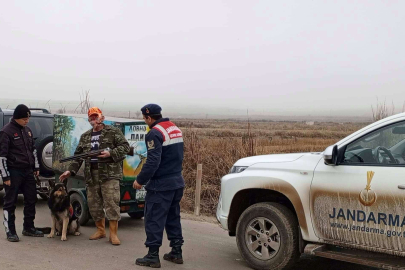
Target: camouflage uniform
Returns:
[107, 194]
[103, 189]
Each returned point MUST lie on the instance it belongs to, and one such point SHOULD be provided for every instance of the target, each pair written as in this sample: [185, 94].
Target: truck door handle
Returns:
[401, 186]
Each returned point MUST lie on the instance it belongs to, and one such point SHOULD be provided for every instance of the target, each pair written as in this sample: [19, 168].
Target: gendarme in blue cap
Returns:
[151, 109]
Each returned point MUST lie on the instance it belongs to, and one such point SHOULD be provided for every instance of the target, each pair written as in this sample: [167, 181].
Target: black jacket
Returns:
[17, 149]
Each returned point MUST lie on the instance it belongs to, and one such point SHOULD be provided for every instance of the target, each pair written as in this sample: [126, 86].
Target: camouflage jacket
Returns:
[108, 168]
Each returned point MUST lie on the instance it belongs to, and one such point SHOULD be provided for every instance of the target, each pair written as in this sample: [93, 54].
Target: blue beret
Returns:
[151, 109]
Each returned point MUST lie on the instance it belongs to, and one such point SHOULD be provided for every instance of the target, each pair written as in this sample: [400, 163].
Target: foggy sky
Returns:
[283, 57]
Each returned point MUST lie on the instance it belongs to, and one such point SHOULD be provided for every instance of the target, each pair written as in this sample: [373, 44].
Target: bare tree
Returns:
[62, 109]
[49, 106]
[138, 114]
[382, 111]
[85, 103]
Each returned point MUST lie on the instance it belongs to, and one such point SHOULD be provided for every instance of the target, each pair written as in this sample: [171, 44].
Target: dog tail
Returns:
[44, 230]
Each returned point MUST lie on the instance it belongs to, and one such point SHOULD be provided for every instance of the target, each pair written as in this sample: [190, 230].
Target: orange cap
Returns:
[94, 110]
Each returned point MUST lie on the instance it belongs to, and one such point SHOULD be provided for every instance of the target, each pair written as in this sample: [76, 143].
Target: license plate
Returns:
[140, 194]
[44, 184]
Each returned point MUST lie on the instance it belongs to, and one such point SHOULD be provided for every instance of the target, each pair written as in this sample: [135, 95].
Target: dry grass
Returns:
[219, 144]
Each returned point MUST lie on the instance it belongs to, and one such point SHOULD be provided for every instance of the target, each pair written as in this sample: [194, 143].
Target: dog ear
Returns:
[51, 183]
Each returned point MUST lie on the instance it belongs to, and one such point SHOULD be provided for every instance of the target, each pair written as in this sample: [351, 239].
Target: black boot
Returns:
[151, 259]
[9, 225]
[175, 256]
[32, 232]
[12, 237]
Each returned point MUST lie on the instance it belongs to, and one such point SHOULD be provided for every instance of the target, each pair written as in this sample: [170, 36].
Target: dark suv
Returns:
[41, 124]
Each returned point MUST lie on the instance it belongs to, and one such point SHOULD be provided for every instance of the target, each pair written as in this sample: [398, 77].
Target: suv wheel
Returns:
[44, 151]
[267, 236]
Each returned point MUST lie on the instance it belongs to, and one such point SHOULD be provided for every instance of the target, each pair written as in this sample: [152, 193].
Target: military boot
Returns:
[32, 232]
[113, 233]
[175, 256]
[100, 233]
[12, 236]
[151, 259]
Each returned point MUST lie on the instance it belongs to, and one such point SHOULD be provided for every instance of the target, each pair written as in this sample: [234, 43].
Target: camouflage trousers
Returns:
[104, 195]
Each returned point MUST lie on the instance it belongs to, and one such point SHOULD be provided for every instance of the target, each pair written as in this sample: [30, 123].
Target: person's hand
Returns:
[136, 185]
[7, 183]
[36, 173]
[64, 176]
[104, 154]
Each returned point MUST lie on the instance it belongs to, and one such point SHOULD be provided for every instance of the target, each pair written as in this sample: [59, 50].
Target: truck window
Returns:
[41, 126]
[383, 146]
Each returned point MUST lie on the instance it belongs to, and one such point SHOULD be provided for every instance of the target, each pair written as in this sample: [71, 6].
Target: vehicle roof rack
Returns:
[35, 109]
[40, 109]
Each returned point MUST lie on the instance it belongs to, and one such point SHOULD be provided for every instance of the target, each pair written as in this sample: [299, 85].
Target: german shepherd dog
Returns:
[63, 219]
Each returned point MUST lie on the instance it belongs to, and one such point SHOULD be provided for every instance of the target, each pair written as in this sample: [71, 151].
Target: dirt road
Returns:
[207, 246]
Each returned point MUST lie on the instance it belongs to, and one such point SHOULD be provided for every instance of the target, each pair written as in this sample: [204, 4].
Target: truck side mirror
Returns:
[330, 155]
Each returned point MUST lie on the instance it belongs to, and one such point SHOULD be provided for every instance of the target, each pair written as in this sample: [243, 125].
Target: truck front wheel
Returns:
[267, 236]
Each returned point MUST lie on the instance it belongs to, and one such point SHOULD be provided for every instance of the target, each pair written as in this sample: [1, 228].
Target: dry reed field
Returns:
[218, 144]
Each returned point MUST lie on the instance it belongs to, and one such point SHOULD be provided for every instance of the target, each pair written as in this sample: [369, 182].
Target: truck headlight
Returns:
[238, 169]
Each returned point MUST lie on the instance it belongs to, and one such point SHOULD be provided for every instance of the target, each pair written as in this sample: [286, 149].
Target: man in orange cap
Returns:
[102, 178]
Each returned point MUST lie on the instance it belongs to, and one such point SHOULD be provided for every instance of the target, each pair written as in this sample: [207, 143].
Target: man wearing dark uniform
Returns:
[18, 165]
[164, 184]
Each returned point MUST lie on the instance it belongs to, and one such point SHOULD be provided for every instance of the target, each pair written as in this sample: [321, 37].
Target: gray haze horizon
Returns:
[285, 58]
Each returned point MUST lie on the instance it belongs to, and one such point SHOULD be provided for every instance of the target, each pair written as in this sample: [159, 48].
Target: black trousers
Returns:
[162, 211]
[21, 179]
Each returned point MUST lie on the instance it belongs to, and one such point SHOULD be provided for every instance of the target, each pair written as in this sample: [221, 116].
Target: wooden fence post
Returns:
[198, 190]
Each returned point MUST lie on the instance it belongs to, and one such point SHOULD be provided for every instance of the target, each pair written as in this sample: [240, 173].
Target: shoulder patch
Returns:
[151, 145]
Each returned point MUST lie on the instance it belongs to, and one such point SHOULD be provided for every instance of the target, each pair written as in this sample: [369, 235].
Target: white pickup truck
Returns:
[347, 203]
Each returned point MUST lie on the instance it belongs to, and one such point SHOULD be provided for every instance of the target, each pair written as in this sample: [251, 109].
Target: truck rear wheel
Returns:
[136, 215]
[80, 210]
[267, 236]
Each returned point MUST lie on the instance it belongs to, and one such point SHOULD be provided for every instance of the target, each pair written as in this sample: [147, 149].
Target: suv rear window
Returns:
[40, 126]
